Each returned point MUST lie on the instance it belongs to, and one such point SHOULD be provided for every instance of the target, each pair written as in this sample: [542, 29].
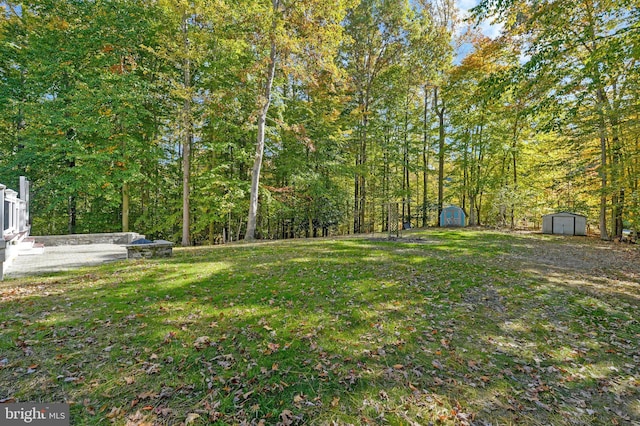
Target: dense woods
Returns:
[202, 121]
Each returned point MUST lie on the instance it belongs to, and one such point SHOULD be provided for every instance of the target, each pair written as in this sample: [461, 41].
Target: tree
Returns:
[306, 31]
[377, 37]
[581, 55]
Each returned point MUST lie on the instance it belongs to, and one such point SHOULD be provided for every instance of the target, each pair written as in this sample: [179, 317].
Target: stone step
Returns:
[30, 247]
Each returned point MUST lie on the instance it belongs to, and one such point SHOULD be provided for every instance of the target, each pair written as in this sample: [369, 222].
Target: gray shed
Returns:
[564, 223]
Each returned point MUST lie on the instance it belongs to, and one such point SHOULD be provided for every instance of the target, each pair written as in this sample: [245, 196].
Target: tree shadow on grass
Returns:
[355, 332]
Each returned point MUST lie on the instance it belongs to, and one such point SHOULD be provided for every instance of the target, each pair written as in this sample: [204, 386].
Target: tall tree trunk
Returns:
[72, 202]
[617, 167]
[466, 187]
[187, 137]
[262, 119]
[441, 139]
[71, 210]
[604, 235]
[407, 183]
[425, 158]
[212, 237]
[125, 207]
[360, 191]
[363, 177]
[601, 102]
[514, 163]
[356, 196]
[385, 182]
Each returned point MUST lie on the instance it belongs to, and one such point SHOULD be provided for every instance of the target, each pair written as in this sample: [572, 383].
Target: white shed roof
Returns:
[564, 214]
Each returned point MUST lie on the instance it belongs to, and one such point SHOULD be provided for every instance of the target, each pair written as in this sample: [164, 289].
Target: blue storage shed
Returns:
[452, 216]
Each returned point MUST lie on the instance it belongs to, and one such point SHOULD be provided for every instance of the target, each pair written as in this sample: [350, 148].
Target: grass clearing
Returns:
[443, 326]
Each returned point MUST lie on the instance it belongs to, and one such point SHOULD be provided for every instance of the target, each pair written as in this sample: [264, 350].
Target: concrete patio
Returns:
[37, 261]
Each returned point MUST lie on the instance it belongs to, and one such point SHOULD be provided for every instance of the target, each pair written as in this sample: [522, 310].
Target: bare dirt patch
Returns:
[584, 254]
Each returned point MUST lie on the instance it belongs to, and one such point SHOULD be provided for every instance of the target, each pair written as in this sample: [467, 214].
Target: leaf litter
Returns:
[458, 327]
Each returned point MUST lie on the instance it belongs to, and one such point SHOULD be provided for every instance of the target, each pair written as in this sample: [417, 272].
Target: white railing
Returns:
[14, 210]
[15, 223]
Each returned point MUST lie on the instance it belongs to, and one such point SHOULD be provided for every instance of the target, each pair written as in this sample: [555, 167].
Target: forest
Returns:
[204, 121]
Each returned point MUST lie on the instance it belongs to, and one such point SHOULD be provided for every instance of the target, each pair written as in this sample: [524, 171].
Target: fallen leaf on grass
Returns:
[286, 417]
[137, 419]
[169, 337]
[114, 413]
[202, 342]
[163, 411]
[273, 346]
[152, 368]
[191, 417]
[147, 395]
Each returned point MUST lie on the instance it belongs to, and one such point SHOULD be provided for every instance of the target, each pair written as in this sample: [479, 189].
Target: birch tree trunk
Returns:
[262, 118]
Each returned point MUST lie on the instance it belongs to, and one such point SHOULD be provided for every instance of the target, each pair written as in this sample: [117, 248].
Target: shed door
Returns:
[456, 217]
[448, 216]
[563, 225]
[451, 217]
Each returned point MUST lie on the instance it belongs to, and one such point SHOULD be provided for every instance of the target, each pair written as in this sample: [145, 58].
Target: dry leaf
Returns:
[191, 417]
[114, 413]
[202, 342]
[147, 395]
[286, 417]
[273, 346]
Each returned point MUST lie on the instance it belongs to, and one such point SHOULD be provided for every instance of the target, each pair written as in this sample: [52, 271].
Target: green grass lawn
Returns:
[440, 327]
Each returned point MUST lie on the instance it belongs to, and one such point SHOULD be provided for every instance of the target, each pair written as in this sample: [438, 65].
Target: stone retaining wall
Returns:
[78, 239]
[158, 248]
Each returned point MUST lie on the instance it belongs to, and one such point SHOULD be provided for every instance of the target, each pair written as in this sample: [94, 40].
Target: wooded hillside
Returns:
[203, 120]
